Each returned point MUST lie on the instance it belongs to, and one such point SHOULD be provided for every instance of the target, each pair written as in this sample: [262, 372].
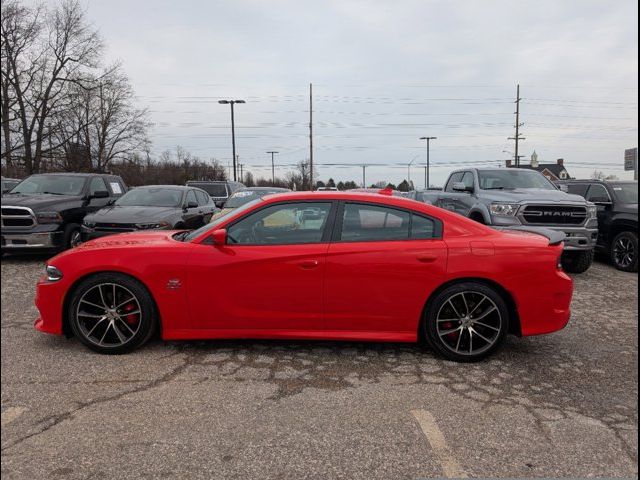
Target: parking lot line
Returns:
[10, 414]
[450, 466]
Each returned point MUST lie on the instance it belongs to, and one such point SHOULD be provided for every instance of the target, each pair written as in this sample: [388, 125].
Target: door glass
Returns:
[577, 189]
[97, 185]
[364, 223]
[422, 227]
[203, 198]
[191, 197]
[467, 179]
[289, 223]
[597, 193]
[455, 178]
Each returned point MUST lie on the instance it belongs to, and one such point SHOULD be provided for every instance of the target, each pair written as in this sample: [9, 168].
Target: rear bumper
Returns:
[547, 310]
[32, 240]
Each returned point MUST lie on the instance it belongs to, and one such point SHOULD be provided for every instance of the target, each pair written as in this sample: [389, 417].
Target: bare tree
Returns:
[43, 55]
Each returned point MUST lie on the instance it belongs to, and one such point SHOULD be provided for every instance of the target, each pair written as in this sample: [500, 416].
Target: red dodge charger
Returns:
[322, 265]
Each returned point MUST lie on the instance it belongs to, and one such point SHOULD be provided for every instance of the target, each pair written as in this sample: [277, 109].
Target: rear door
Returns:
[382, 265]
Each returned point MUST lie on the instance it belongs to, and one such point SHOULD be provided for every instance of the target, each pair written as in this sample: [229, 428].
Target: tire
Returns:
[577, 262]
[450, 330]
[103, 329]
[71, 236]
[624, 251]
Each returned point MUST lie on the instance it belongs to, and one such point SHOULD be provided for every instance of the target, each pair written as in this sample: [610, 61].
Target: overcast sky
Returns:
[384, 74]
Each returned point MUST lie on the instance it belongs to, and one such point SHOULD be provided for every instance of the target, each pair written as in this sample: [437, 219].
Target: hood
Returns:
[127, 240]
[532, 195]
[117, 214]
[39, 202]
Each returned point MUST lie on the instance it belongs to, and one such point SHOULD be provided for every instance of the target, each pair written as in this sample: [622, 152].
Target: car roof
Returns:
[262, 189]
[170, 187]
[374, 196]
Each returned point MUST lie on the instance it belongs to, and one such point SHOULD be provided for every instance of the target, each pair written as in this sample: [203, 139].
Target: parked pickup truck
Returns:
[511, 197]
[617, 203]
[44, 212]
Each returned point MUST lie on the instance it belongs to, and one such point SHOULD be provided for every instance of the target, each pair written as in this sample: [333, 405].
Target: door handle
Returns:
[309, 264]
[427, 258]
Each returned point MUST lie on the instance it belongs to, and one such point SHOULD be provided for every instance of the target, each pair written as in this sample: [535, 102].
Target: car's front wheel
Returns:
[624, 251]
[112, 313]
[466, 322]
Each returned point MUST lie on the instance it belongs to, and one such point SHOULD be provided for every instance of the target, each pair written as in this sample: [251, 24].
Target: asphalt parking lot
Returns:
[557, 405]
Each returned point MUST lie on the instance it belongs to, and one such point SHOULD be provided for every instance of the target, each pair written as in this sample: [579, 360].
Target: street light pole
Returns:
[426, 170]
[233, 133]
[273, 169]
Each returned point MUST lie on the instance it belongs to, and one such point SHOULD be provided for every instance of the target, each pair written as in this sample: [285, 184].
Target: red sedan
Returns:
[321, 265]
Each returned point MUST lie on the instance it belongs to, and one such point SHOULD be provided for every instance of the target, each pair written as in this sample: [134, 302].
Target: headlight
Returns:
[151, 226]
[592, 210]
[53, 274]
[504, 209]
[89, 224]
[49, 217]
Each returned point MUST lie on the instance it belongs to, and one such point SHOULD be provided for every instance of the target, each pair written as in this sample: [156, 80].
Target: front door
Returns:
[381, 268]
[269, 276]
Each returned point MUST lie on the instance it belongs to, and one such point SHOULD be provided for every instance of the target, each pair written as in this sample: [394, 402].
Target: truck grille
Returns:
[553, 215]
[18, 217]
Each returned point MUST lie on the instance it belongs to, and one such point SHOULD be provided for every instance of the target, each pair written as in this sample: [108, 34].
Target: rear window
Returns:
[213, 189]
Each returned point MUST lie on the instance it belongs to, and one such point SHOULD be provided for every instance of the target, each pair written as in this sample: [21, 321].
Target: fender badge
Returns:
[174, 284]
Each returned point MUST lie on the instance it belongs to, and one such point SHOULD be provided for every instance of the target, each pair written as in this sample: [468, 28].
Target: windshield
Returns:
[511, 178]
[151, 197]
[218, 220]
[55, 184]
[213, 189]
[626, 192]
[240, 197]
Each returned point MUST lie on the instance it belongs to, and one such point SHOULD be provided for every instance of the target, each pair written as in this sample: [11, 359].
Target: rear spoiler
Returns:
[555, 237]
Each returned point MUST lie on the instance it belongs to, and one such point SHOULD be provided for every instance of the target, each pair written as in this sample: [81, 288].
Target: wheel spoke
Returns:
[134, 312]
[124, 303]
[466, 305]
[126, 325]
[481, 336]
[105, 333]
[102, 297]
[470, 340]
[94, 327]
[484, 314]
[92, 304]
[447, 332]
[113, 299]
[486, 325]
[459, 338]
[455, 310]
[477, 305]
[90, 315]
[121, 337]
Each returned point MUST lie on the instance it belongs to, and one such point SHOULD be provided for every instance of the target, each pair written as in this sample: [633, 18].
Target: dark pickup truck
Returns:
[617, 203]
[44, 212]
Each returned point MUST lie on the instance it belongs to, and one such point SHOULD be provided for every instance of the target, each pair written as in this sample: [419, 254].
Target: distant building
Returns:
[553, 171]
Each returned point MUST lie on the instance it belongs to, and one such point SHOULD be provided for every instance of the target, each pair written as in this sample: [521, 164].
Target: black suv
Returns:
[44, 211]
[617, 203]
[218, 190]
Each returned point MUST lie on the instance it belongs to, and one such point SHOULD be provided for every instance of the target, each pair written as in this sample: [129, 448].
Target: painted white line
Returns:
[10, 414]
[450, 466]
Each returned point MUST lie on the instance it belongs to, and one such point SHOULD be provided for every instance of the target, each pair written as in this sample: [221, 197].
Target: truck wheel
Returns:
[624, 251]
[72, 236]
[577, 262]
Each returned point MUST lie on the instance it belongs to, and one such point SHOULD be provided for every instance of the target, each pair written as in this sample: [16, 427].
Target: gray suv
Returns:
[512, 197]
[218, 190]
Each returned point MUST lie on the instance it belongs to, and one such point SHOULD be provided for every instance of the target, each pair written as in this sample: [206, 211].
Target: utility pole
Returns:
[273, 169]
[364, 176]
[233, 133]
[427, 166]
[517, 138]
[311, 136]
[241, 175]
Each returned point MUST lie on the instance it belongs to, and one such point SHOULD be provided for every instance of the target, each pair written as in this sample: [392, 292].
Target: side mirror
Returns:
[461, 187]
[191, 205]
[99, 194]
[601, 201]
[219, 237]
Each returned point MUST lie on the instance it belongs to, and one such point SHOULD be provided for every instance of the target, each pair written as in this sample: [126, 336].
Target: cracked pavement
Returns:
[557, 405]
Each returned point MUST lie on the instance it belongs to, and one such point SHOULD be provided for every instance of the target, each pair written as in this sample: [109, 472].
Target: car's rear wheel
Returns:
[112, 313]
[624, 251]
[466, 322]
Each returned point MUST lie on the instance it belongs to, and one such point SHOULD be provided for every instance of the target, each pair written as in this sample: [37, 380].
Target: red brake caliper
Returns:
[447, 326]
[131, 319]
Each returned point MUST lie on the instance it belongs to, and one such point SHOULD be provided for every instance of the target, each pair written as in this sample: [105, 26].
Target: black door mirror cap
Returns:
[99, 194]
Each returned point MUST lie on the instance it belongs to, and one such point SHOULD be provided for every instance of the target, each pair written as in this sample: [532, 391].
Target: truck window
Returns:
[467, 179]
[97, 185]
[577, 189]
[454, 178]
[597, 193]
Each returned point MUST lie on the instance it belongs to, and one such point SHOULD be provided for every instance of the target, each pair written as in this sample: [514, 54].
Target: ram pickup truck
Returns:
[617, 203]
[513, 198]
[44, 212]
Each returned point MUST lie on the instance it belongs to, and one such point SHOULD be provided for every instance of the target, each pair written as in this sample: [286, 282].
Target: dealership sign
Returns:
[631, 158]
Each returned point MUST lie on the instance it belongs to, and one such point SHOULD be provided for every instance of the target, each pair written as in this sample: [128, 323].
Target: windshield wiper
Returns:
[53, 193]
[494, 188]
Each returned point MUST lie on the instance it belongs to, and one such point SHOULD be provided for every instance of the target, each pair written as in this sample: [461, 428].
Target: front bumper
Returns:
[87, 234]
[49, 300]
[32, 240]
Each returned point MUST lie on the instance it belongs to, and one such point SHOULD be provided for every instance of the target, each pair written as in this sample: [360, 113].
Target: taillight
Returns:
[559, 264]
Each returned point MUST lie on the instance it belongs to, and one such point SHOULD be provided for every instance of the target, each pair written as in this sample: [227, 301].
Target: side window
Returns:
[203, 198]
[454, 178]
[191, 197]
[422, 227]
[597, 193]
[97, 184]
[363, 223]
[288, 223]
[467, 179]
[577, 189]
